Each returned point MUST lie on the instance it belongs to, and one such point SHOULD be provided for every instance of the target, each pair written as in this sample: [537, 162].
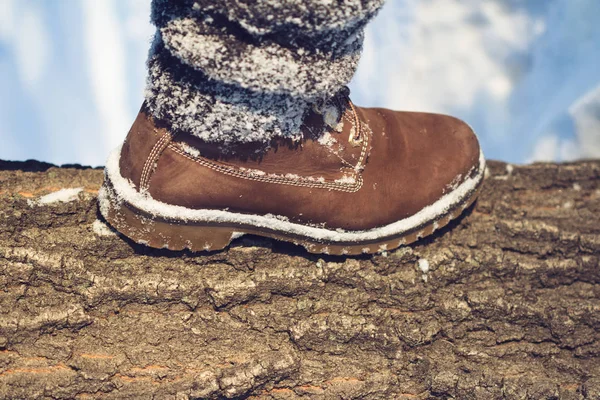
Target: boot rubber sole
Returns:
[158, 225]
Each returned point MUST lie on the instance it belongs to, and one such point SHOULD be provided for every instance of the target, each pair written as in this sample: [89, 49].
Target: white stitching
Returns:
[282, 180]
[150, 158]
[154, 153]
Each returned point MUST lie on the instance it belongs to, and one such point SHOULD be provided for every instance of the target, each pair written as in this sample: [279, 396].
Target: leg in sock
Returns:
[226, 72]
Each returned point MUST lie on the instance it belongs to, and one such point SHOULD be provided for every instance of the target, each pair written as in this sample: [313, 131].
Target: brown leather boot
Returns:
[378, 180]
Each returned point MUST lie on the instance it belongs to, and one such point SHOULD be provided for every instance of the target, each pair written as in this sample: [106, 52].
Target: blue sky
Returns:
[524, 73]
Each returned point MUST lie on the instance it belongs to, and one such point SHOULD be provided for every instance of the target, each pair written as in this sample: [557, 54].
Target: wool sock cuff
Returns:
[228, 72]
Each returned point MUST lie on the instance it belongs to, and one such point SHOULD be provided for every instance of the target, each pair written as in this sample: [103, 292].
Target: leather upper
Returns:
[404, 162]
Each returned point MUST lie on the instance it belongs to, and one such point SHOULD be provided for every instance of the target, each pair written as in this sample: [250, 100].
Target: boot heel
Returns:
[159, 233]
[195, 238]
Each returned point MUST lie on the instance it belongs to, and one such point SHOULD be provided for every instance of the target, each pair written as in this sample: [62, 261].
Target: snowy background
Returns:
[524, 73]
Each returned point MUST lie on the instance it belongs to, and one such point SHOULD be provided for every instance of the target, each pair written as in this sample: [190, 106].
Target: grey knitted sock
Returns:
[234, 71]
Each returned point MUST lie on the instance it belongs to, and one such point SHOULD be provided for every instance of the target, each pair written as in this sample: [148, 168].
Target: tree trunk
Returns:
[502, 304]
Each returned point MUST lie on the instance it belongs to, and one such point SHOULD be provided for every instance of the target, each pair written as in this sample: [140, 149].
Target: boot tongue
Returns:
[337, 125]
[332, 117]
[333, 110]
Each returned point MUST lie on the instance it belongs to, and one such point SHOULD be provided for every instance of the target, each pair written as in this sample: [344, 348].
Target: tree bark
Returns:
[502, 304]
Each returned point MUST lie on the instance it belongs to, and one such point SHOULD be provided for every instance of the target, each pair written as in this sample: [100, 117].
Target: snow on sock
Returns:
[231, 73]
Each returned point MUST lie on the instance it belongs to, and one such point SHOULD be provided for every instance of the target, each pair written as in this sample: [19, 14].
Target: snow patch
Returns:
[327, 139]
[254, 172]
[294, 177]
[423, 265]
[60, 196]
[346, 179]
[192, 151]
[101, 229]
[236, 235]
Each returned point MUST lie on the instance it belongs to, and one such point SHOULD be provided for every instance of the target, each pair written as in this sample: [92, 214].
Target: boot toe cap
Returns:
[428, 156]
[449, 152]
